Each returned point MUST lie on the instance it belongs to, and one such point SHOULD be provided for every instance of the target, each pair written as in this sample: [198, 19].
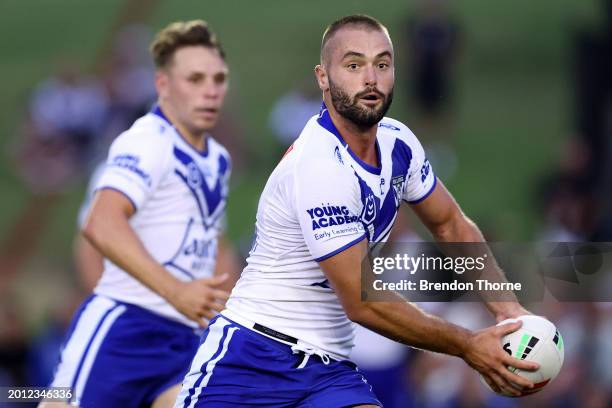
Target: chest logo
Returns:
[369, 209]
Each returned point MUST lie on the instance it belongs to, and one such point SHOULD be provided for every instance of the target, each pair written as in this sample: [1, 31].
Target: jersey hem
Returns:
[121, 192]
[435, 183]
[342, 248]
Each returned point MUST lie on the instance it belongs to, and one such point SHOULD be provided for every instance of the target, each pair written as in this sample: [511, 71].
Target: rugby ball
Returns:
[537, 340]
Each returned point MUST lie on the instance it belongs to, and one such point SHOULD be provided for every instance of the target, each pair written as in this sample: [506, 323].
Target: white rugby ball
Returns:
[537, 340]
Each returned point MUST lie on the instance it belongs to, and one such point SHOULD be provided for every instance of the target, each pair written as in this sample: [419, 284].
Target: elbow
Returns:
[358, 313]
[456, 229]
[443, 232]
[92, 230]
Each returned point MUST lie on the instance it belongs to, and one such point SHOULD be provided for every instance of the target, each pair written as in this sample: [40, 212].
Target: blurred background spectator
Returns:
[432, 46]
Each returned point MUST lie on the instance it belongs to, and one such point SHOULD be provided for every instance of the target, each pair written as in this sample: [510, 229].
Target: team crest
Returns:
[194, 177]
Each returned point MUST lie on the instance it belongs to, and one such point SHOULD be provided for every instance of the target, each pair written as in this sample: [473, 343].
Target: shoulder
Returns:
[318, 152]
[400, 140]
[216, 149]
[147, 134]
[394, 129]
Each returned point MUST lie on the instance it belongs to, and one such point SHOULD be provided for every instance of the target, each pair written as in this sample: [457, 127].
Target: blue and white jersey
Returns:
[179, 194]
[320, 200]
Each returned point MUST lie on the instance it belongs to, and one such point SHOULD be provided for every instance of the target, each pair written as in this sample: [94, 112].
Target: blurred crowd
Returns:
[72, 117]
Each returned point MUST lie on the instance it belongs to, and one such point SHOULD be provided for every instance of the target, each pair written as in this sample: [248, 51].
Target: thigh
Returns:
[88, 332]
[338, 384]
[237, 367]
[166, 399]
[121, 355]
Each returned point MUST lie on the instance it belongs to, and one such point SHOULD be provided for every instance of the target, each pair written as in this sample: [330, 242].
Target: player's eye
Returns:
[352, 66]
[220, 78]
[383, 65]
[195, 79]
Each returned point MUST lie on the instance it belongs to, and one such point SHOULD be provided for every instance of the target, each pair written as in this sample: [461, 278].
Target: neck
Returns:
[362, 141]
[197, 140]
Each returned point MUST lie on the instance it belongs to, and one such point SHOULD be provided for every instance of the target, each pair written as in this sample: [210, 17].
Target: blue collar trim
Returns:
[156, 110]
[325, 121]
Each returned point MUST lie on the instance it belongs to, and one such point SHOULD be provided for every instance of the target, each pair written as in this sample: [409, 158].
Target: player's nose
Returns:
[369, 76]
[211, 91]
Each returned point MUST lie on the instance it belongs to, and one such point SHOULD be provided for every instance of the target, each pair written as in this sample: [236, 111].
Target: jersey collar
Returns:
[325, 121]
[156, 110]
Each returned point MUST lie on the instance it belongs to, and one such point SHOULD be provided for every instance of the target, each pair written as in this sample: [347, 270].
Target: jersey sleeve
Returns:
[136, 164]
[421, 180]
[328, 206]
[226, 172]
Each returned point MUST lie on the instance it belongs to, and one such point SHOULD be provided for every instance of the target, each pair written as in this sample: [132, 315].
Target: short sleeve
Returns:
[421, 178]
[225, 176]
[328, 204]
[136, 164]
[87, 200]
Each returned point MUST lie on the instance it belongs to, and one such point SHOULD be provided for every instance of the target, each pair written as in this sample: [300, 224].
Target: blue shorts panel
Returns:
[236, 366]
[120, 355]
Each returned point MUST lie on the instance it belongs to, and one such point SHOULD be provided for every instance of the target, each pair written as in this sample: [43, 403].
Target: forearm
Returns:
[227, 262]
[116, 240]
[500, 304]
[406, 323]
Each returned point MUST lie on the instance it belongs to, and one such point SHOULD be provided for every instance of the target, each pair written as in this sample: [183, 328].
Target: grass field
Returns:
[513, 89]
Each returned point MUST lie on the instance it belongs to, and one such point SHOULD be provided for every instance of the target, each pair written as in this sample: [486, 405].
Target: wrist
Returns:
[507, 310]
[464, 343]
[170, 289]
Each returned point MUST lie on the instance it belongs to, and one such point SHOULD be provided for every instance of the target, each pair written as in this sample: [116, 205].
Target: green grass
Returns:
[513, 90]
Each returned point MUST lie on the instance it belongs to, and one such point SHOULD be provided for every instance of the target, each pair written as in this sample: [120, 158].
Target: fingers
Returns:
[508, 328]
[220, 295]
[506, 387]
[216, 306]
[513, 378]
[209, 314]
[522, 364]
[216, 280]
[491, 384]
[196, 317]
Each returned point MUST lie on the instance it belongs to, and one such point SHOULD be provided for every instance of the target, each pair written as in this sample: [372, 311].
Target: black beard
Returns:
[348, 107]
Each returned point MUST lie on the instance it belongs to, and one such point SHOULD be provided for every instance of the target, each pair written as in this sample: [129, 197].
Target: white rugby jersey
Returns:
[320, 200]
[179, 194]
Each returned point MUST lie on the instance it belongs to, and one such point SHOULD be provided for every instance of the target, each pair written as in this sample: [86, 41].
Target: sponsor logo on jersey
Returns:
[337, 155]
[131, 162]
[196, 252]
[330, 215]
[388, 126]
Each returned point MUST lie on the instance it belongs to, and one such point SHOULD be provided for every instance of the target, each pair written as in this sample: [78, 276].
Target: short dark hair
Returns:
[182, 34]
[359, 20]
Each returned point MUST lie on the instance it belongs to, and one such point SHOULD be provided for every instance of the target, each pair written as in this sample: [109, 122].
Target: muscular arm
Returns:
[398, 320]
[228, 263]
[89, 262]
[405, 322]
[441, 214]
[108, 230]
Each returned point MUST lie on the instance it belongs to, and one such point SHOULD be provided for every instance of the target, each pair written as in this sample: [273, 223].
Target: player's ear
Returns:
[161, 82]
[322, 78]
